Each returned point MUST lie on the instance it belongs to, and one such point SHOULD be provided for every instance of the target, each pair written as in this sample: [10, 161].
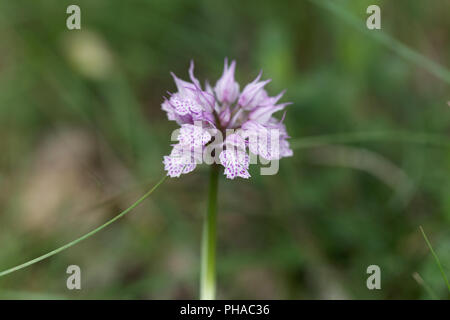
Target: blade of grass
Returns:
[87, 235]
[27, 295]
[373, 163]
[435, 140]
[402, 50]
[438, 262]
[416, 276]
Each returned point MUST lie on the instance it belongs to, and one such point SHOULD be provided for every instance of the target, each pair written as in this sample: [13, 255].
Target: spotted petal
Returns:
[180, 161]
[184, 104]
[236, 163]
[193, 136]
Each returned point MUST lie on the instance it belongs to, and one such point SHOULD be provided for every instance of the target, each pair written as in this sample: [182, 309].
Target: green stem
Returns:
[208, 259]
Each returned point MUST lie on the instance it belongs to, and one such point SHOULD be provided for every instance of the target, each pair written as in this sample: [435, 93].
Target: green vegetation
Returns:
[82, 137]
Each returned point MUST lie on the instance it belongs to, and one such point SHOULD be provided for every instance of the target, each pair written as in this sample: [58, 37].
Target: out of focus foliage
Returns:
[82, 136]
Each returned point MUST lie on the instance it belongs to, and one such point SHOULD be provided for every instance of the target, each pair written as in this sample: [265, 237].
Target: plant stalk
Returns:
[208, 258]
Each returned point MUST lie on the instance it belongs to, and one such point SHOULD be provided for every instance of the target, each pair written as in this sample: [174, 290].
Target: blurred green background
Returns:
[82, 136]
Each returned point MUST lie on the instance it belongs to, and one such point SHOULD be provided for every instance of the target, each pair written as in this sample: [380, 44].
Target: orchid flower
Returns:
[200, 112]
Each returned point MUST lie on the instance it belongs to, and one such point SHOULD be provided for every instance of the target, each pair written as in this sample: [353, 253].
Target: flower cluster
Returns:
[202, 114]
